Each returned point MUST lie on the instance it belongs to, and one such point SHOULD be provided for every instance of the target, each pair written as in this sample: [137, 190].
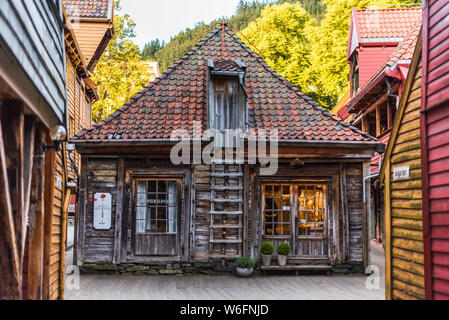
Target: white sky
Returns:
[165, 18]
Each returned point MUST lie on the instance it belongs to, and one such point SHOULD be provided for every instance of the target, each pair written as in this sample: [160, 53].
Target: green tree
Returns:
[280, 34]
[329, 43]
[121, 72]
[150, 49]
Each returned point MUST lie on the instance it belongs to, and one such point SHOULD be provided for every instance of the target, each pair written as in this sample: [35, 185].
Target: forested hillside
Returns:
[246, 12]
[304, 41]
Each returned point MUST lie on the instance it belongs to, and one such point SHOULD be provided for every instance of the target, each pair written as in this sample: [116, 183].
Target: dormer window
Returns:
[227, 95]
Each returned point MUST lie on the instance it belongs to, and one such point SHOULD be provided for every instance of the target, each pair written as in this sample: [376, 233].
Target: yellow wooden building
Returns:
[401, 175]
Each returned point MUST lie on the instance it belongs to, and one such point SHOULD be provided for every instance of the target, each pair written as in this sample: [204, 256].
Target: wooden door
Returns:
[296, 213]
[157, 212]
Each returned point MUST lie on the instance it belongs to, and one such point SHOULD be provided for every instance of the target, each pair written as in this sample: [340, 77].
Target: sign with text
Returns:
[401, 173]
[102, 211]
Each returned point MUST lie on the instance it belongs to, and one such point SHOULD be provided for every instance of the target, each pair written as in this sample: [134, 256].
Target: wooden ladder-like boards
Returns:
[226, 221]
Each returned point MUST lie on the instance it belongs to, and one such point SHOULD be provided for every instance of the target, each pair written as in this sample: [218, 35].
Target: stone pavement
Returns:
[230, 287]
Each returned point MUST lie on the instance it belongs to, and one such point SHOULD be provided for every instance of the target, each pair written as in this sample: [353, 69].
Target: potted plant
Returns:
[244, 266]
[267, 251]
[283, 252]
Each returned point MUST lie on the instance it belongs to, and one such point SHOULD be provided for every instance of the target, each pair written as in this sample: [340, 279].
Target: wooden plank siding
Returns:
[435, 140]
[31, 34]
[89, 35]
[403, 197]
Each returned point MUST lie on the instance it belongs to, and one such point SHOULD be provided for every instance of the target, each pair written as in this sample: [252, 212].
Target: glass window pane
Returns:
[156, 206]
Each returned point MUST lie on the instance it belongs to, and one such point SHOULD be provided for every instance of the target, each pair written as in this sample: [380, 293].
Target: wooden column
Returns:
[389, 115]
[80, 218]
[36, 222]
[387, 224]
[10, 263]
[49, 189]
[119, 212]
[378, 128]
[345, 215]
[65, 211]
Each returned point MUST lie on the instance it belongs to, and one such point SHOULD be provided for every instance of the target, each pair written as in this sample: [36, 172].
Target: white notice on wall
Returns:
[102, 211]
[401, 173]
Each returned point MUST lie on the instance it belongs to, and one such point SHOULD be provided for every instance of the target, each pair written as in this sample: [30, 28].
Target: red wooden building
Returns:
[435, 147]
[380, 49]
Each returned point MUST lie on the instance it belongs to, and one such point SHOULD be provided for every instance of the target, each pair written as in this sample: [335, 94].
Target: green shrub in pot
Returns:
[244, 266]
[267, 250]
[283, 252]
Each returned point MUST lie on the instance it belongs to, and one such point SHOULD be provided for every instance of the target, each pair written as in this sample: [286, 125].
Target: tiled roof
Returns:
[226, 65]
[179, 97]
[88, 8]
[386, 23]
[404, 52]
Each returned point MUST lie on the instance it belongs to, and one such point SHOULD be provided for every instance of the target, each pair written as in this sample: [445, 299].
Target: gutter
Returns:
[140, 142]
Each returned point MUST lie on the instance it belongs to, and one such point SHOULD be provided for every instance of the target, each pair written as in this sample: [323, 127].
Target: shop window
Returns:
[311, 210]
[303, 203]
[156, 206]
[277, 213]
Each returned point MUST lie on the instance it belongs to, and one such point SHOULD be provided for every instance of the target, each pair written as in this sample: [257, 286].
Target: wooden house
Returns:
[93, 25]
[141, 211]
[380, 49]
[415, 171]
[32, 105]
[32, 114]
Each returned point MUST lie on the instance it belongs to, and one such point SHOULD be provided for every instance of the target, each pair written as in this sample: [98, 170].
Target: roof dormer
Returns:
[227, 107]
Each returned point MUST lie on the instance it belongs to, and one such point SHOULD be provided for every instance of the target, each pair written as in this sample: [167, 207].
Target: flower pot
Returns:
[245, 272]
[266, 260]
[282, 260]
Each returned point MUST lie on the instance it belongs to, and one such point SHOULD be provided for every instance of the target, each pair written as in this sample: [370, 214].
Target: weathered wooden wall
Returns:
[31, 35]
[434, 137]
[102, 175]
[403, 199]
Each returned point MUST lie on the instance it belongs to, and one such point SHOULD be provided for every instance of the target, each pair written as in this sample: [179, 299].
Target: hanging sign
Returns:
[102, 211]
[401, 173]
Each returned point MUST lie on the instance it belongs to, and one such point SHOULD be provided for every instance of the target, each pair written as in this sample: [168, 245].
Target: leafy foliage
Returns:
[329, 41]
[280, 34]
[121, 72]
[245, 262]
[284, 249]
[267, 248]
[246, 12]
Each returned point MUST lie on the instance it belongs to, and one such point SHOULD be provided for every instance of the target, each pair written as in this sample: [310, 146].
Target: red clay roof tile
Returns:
[386, 23]
[89, 8]
[273, 102]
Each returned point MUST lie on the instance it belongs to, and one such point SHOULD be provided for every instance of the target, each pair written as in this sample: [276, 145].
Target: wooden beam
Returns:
[10, 276]
[36, 222]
